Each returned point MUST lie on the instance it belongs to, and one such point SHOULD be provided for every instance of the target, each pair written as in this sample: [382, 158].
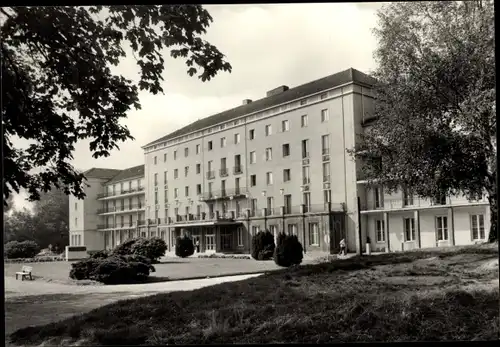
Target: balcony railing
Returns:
[210, 175]
[237, 169]
[306, 180]
[122, 192]
[120, 208]
[223, 172]
[409, 203]
[223, 194]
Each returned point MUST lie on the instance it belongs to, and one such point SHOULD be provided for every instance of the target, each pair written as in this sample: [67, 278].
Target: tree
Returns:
[19, 226]
[435, 101]
[8, 205]
[59, 88]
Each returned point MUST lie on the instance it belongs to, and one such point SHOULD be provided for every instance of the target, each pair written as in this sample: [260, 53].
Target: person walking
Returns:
[342, 247]
[197, 245]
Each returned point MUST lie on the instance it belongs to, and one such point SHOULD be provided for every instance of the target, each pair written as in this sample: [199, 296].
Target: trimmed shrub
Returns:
[289, 251]
[184, 247]
[263, 245]
[99, 254]
[125, 248]
[152, 248]
[24, 249]
[84, 269]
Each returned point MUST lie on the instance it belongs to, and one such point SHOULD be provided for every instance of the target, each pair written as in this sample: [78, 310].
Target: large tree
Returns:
[58, 88]
[435, 111]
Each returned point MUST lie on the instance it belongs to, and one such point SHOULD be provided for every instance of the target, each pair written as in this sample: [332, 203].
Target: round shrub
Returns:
[152, 248]
[125, 248]
[289, 251]
[184, 247]
[263, 245]
[84, 269]
[24, 249]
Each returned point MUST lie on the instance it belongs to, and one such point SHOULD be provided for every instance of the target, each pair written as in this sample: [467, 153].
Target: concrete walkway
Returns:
[16, 288]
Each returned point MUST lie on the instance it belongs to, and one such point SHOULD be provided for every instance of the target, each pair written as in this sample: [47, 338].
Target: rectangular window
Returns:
[407, 197]
[130, 222]
[186, 191]
[307, 201]
[305, 175]
[325, 144]
[176, 193]
[198, 168]
[210, 164]
[166, 195]
[380, 230]
[409, 229]
[442, 228]
[292, 229]
[253, 157]
[236, 139]
[176, 173]
[198, 189]
[253, 205]
[305, 148]
[255, 229]
[324, 115]
[130, 186]
[273, 229]
[165, 157]
[253, 180]
[326, 172]
[286, 175]
[270, 203]
[327, 196]
[76, 206]
[175, 155]
[251, 134]
[223, 163]
[477, 227]
[223, 187]
[210, 145]
[379, 197]
[156, 179]
[222, 142]
[198, 148]
[269, 178]
[186, 171]
[156, 198]
[210, 187]
[285, 126]
[165, 177]
[76, 222]
[154, 159]
[439, 199]
[240, 236]
[286, 149]
[269, 154]
[269, 130]
[288, 203]
[313, 234]
[303, 121]
[198, 210]
[186, 151]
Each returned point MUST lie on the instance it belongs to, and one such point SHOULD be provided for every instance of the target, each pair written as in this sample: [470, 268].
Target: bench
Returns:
[25, 272]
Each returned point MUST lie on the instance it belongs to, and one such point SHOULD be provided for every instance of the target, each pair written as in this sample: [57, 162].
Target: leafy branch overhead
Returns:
[59, 87]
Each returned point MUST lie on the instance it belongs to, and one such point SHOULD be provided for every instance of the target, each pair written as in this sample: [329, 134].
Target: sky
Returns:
[267, 46]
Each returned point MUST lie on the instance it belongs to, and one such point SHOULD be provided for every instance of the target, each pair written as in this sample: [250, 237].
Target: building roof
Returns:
[131, 172]
[337, 79]
[96, 172]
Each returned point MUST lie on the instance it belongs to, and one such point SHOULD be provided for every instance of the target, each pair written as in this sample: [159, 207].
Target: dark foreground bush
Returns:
[24, 249]
[99, 254]
[263, 245]
[289, 251]
[152, 248]
[114, 269]
[184, 247]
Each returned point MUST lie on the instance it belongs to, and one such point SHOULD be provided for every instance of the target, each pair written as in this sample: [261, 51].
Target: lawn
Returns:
[438, 294]
[170, 269]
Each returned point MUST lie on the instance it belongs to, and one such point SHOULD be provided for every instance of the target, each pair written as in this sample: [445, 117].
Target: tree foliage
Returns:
[59, 87]
[435, 112]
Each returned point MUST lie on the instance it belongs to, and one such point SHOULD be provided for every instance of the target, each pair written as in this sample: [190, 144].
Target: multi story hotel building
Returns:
[278, 163]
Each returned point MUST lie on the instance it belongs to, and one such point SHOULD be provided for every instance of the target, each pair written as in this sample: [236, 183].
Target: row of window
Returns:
[407, 198]
[476, 222]
[285, 127]
[76, 240]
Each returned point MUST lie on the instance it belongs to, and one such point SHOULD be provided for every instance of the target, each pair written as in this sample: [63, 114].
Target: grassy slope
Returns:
[444, 294]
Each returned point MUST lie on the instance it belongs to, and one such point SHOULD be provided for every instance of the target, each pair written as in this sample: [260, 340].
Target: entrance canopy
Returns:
[206, 223]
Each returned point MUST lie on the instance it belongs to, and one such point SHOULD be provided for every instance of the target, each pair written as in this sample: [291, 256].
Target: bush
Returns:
[184, 247]
[115, 269]
[289, 251]
[24, 249]
[263, 245]
[152, 248]
[99, 254]
[125, 248]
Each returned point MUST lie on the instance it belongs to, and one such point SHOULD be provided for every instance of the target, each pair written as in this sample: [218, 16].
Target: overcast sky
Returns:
[267, 46]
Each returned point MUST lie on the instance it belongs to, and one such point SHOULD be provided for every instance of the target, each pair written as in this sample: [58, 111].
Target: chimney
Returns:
[246, 101]
[278, 90]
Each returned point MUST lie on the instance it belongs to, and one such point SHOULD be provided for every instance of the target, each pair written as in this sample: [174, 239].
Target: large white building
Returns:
[277, 163]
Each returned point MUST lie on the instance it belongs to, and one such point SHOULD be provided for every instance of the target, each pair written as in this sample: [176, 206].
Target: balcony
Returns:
[210, 175]
[122, 192]
[141, 222]
[395, 204]
[105, 226]
[237, 170]
[120, 208]
[223, 172]
[223, 194]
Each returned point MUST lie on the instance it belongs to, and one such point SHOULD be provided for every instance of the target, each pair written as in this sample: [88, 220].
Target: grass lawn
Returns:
[438, 294]
[171, 269]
